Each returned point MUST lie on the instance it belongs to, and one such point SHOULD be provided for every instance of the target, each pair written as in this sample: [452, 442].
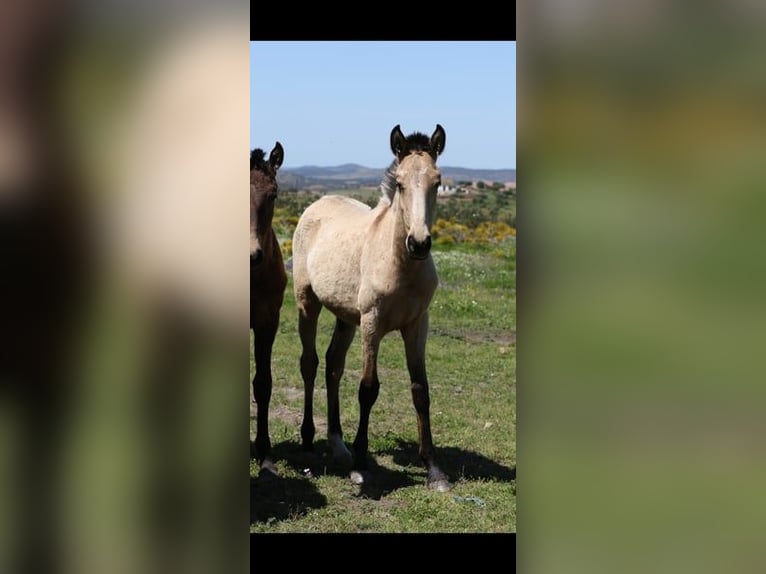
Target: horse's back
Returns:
[331, 207]
[328, 218]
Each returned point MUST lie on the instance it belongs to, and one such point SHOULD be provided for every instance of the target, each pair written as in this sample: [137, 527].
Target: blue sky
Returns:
[331, 103]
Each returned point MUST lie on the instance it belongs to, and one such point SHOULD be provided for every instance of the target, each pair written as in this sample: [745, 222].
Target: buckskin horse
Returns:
[371, 268]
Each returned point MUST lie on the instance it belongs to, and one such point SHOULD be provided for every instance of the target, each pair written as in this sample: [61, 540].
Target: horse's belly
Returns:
[334, 277]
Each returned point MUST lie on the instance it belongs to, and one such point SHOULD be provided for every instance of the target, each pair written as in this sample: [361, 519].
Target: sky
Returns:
[330, 103]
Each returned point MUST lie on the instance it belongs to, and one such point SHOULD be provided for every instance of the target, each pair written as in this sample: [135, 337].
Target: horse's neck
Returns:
[272, 245]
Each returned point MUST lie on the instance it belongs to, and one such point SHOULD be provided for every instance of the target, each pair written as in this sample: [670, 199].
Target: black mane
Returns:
[257, 161]
[388, 185]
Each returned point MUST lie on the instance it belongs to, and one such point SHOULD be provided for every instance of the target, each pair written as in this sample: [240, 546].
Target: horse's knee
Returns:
[420, 397]
[368, 391]
[333, 374]
[309, 364]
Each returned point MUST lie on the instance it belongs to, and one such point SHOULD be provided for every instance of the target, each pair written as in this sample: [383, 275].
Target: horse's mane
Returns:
[257, 161]
[416, 141]
[388, 185]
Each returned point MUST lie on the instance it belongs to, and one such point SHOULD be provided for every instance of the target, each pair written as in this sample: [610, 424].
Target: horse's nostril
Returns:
[418, 249]
[256, 258]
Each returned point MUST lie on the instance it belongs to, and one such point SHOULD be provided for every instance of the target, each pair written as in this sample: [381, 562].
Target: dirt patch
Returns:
[294, 417]
[506, 338]
[503, 338]
[287, 414]
[290, 393]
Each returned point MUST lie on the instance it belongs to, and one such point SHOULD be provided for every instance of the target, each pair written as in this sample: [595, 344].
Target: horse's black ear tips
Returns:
[438, 139]
[277, 156]
[397, 140]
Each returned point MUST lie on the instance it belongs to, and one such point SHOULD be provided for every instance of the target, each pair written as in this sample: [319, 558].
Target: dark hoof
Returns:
[341, 460]
[339, 451]
[268, 470]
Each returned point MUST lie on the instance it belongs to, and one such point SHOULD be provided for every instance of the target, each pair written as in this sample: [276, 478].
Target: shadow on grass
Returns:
[275, 498]
[456, 462]
[379, 480]
[288, 497]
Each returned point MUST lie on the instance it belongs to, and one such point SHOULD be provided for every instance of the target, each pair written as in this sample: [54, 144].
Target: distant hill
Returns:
[354, 175]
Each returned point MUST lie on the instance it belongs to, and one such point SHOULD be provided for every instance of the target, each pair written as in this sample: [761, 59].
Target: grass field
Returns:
[471, 362]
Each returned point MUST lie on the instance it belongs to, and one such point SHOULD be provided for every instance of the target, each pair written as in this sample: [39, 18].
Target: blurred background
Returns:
[124, 413]
[641, 279]
[641, 274]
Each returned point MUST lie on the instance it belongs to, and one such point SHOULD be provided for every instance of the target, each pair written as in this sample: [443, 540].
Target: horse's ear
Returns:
[398, 141]
[438, 140]
[277, 156]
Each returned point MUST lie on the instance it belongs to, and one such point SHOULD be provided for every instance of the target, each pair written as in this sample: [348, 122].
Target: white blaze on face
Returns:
[419, 178]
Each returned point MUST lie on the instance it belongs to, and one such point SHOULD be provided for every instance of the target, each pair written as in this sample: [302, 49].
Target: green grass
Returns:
[471, 362]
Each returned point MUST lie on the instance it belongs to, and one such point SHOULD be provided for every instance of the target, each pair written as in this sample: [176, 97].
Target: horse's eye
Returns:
[272, 196]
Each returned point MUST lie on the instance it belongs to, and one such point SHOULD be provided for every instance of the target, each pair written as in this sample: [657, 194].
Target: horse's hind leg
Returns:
[308, 313]
[335, 360]
[264, 340]
[414, 336]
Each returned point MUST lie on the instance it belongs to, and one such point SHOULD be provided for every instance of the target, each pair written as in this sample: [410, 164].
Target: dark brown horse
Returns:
[267, 286]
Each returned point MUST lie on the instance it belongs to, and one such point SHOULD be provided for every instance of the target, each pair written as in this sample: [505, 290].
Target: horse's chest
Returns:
[399, 301]
[267, 292]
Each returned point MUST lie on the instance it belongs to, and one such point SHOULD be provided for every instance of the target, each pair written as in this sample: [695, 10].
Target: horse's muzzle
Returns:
[255, 258]
[418, 249]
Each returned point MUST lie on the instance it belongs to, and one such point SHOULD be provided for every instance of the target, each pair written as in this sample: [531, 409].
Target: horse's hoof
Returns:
[268, 470]
[441, 485]
[340, 452]
[357, 477]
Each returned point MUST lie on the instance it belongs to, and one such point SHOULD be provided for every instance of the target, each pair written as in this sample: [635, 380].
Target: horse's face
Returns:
[417, 180]
[263, 193]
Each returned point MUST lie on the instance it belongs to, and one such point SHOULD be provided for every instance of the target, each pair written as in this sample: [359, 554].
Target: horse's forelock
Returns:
[257, 160]
[417, 141]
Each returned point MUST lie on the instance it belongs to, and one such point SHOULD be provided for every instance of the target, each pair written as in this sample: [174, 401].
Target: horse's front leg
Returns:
[368, 389]
[264, 340]
[415, 335]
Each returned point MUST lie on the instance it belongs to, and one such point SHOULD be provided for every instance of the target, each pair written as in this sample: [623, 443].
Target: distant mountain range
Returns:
[355, 175]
